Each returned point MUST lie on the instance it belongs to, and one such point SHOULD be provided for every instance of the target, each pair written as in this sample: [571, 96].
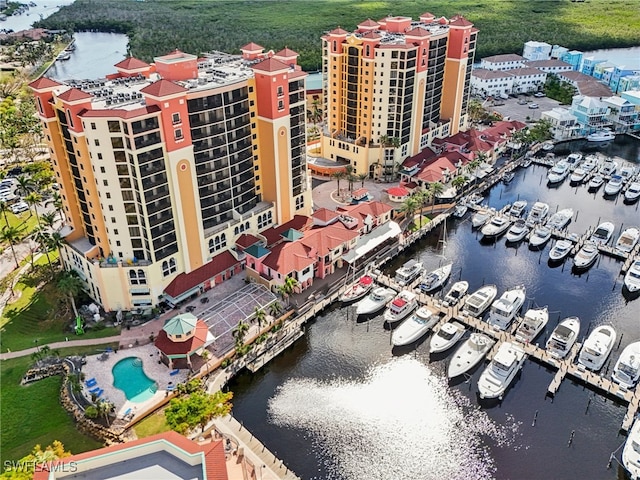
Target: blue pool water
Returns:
[129, 377]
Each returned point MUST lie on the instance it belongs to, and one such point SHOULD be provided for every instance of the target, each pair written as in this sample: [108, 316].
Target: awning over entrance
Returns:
[371, 240]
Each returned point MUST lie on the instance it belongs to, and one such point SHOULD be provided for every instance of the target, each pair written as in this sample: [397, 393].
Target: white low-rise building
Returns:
[534, 50]
[527, 79]
[491, 82]
[564, 125]
[508, 61]
[622, 114]
[550, 66]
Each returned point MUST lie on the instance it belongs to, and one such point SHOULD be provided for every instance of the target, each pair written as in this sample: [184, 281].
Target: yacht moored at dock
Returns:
[496, 227]
[539, 237]
[627, 240]
[632, 193]
[632, 277]
[596, 182]
[558, 173]
[375, 301]
[358, 289]
[498, 375]
[435, 279]
[560, 219]
[603, 233]
[614, 185]
[532, 324]
[518, 208]
[518, 231]
[563, 337]
[401, 306]
[414, 327]
[626, 372]
[469, 354]
[504, 310]
[446, 337]
[560, 250]
[480, 300]
[631, 451]
[603, 135]
[597, 347]
[537, 214]
[586, 256]
[408, 272]
[455, 293]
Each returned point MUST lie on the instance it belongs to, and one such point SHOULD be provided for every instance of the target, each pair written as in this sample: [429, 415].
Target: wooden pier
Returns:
[564, 367]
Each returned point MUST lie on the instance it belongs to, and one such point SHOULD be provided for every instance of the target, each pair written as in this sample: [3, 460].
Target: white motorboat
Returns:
[560, 250]
[518, 208]
[539, 237]
[547, 146]
[603, 233]
[590, 162]
[408, 272]
[534, 321]
[558, 172]
[627, 172]
[469, 354]
[626, 371]
[578, 175]
[481, 217]
[527, 162]
[475, 199]
[603, 135]
[455, 293]
[632, 193]
[609, 167]
[614, 185]
[358, 289]
[560, 219]
[631, 451]
[446, 337]
[537, 214]
[375, 301]
[597, 347]
[480, 300]
[574, 159]
[435, 279]
[508, 176]
[503, 368]
[460, 210]
[628, 239]
[518, 231]
[504, 310]
[401, 307]
[586, 256]
[496, 227]
[414, 327]
[563, 337]
[596, 182]
[632, 277]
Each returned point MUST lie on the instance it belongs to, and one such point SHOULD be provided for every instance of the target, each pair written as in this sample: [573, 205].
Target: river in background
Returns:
[629, 57]
[43, 9]
[341, 405]
[95, 55]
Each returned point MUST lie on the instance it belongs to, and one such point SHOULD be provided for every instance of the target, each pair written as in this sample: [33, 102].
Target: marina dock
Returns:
[564, 367]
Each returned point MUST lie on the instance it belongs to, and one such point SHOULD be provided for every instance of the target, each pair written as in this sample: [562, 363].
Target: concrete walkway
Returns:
[70, 343]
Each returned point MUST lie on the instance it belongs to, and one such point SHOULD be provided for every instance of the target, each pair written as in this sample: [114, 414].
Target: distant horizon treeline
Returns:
[156, 27]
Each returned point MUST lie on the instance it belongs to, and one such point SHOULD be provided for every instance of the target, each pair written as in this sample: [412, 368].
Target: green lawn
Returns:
[151, 425]
[156, 27]
[34, 316]
[33, 415]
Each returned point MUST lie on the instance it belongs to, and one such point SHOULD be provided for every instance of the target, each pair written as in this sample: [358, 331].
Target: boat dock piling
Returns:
[565, 367]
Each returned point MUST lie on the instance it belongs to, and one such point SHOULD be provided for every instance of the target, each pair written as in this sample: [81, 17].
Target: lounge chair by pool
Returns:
[174, 372]
[91, 382]
[95, 390]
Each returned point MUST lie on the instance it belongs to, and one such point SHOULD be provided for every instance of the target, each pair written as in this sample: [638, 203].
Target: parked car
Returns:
[522, 101]
[19, 207]
[533, 106]
[7, 195]
[539, 95]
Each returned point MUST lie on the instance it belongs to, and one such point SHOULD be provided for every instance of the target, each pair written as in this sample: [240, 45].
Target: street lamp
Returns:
[37, 346]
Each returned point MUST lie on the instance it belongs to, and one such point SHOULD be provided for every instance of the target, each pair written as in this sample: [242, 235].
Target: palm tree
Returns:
[339, 175]
[25, 185]
[71, 284]
[472, 166]
[458, 182]
[57, 204]
[288, 287]
[260, 315]
[240, 332]
[408, 207]
[4, 208]
[275, 309]
[12, 236]
[387, 142]
[56, 241]
[351, 178]
[33, 199]
[435, 189]
[49, 219]
[104, 409]
[362, 177]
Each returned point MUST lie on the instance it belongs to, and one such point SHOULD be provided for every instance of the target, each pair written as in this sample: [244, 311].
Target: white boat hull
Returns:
[414, 328]
[563, 337]
[597, 347]
[499, 374]
[626, 371]
[469, 354]
[446, 337]
[631, 451]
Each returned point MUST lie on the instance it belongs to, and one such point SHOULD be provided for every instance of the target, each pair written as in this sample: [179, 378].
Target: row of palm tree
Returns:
[350, 176]
[418, 199]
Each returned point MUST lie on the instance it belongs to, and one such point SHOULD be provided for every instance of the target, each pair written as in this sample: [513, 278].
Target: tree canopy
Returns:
[27, 464]
[196, 409]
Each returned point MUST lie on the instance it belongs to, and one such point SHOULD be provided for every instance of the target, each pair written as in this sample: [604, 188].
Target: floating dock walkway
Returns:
[565, 367]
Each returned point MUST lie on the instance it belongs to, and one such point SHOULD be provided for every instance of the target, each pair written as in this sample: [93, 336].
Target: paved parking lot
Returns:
[514, 111]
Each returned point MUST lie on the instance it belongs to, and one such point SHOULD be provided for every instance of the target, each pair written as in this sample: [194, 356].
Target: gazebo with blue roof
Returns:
[181, 337]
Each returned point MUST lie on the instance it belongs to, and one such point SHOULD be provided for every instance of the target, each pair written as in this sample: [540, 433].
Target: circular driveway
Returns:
[325, 194]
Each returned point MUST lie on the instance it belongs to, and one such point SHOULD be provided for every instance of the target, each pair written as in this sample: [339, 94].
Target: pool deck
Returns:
[100, 367]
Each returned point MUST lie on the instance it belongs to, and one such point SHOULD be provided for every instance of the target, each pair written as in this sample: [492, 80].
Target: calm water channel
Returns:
[340, 405]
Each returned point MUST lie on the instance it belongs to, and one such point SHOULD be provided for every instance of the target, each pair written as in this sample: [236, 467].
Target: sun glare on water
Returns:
[399, 422]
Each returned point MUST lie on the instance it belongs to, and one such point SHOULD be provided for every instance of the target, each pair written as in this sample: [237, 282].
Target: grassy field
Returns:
[156, 27]
[34, 316]
[33, 415]
[151, 425]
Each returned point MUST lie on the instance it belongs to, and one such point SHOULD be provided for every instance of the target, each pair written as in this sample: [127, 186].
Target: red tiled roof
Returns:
[298, 222]
[169, 347]
[398, 191]
[373, 208]
[252, 47]
[485, 74]
[43, 82]
[418, 32]
[162, 88]
[368, 23]
[288, 257]
[246, 240]
[121, 113]
[325, 215]
[361, 192]
[338, 31]
[326, 239]
[371, 35]
[131, 63]
[74, 94]
[507, 57]
[460, 21]
[271, 65]
[186, 281]
[214, 460]
[286, 52]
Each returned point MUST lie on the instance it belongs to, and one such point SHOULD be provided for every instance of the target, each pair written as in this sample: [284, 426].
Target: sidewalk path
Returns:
[70, 343]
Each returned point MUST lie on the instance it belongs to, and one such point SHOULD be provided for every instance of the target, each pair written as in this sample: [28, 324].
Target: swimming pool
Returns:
[129, 377]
